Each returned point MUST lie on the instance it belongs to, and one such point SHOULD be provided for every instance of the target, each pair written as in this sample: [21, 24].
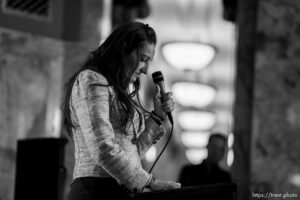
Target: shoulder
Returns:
[89, 76]
[224, 171]
[89, 82]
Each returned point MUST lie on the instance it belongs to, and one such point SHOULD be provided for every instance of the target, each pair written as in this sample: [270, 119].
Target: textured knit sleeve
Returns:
[149, 136]
[91, 103]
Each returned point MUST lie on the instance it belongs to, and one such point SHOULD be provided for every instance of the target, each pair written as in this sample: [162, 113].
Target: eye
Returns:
[145, 59]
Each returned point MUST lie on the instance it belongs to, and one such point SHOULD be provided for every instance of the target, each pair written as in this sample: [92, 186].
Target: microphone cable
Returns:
[171, 132]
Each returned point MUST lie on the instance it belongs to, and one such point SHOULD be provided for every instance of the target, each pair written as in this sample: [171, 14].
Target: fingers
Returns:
[157, 138]
[173, 185]
[163, 104]
[167, 96]
[168, 105]
[157, 92]
[165, 185]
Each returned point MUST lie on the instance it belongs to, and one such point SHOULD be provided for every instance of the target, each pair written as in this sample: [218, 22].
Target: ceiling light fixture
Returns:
[230, 140]
[196, 156]
[195, 139]
[196, 120]
[188, 55]
[230, 157]
[193, 94]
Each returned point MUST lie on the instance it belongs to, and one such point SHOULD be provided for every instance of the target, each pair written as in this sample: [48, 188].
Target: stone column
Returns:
[266, 115]
[33, 68]
[246, 22]
[276, 120]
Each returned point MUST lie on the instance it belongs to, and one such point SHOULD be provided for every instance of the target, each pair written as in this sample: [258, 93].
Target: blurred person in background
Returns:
[208, 171]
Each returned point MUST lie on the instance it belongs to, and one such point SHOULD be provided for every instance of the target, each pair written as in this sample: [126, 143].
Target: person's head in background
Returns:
[121, 59]
[216, 148]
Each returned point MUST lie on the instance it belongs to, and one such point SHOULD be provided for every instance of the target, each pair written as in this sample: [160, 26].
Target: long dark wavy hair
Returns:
[107, 60]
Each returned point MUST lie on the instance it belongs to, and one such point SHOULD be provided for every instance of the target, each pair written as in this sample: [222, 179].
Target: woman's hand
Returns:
[163, 185]
[163, 105]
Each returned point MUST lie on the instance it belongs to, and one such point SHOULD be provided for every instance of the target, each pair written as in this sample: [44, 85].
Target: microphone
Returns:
[158, 79]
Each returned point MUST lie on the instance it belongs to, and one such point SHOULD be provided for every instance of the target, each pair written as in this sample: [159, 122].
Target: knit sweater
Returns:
[103, 148]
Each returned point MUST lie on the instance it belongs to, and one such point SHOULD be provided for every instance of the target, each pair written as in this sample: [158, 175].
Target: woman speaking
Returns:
[110, 128]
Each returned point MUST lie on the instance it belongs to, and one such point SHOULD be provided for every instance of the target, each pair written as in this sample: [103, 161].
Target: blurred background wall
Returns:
[41, 47]
[253, 71]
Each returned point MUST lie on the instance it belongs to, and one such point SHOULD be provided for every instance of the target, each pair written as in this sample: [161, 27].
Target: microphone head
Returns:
[157, 77]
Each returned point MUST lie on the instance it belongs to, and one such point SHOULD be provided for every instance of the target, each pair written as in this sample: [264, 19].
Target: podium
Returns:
[224, 191]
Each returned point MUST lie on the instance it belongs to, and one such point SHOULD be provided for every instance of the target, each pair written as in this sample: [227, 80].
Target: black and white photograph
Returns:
[149, 99]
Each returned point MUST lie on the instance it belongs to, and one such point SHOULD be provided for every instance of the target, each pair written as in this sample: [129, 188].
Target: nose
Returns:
[144, 70]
